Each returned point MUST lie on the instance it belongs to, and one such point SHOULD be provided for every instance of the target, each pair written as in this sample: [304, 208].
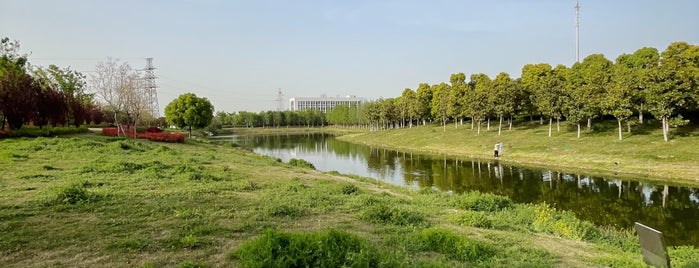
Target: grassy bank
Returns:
[91, 201]
[642, 153]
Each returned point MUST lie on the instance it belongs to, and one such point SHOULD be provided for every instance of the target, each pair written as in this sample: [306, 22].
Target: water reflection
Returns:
[604, 201]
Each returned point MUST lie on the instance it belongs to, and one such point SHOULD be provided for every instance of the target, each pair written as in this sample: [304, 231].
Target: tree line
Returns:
[306, 118]
[41, 96]
[664, 85]
[58, 96]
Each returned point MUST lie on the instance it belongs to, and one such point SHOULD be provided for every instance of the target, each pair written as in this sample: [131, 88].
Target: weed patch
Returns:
[301, 163]
[71, 195]
[452, 246]
[331, 248]
[478, 201]
[562, 223]
[384, 214]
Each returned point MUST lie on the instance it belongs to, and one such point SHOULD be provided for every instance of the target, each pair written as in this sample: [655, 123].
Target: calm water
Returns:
[672, 209]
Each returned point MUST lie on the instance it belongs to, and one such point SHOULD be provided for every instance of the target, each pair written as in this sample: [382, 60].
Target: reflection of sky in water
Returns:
[647, 192]
[694, 197]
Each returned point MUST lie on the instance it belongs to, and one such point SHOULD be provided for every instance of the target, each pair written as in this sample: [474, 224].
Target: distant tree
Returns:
[120, 87]
[478, 98]
[440, 103]
[619, 96]
[503, 97]
[643, 62]
[189, 111]
[410, 104]
[17, 88]
[455, 106]
[423, 107]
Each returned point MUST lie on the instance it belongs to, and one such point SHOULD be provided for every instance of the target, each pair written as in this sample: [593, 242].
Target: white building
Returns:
[322, 103]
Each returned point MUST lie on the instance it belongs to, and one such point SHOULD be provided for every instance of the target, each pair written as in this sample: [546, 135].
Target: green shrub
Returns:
[452, 246]
[331, 248]
[301, 163]
[478, 201]
[384, 214]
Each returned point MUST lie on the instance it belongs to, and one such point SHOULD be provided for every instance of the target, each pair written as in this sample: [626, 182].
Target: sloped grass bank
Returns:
[93, 201]
[642, 153]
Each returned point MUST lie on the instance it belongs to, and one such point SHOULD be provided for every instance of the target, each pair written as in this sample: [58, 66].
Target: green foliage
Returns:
[452, 246]
[331, 248]
[301, 163]
[188, 110]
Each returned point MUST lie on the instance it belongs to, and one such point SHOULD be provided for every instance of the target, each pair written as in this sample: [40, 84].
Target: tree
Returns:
[440, 103]
[642, 62]
[71, 84]
[189, 111]
[424, 100]
[589, 81]
[478, 98]
[503, 97]
[17, 88]
[455, 108]
[118, 85]
[618, 99]
[672, 84]
[532, 78]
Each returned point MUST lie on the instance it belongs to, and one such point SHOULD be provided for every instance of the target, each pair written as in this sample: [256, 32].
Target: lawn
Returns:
[93, 201]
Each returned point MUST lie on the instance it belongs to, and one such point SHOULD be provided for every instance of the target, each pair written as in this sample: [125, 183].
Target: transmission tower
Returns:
[577, 31]
[150, 88]
[280, 97]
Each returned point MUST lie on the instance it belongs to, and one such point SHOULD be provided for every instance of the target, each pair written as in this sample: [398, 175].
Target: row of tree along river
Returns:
[612, 201]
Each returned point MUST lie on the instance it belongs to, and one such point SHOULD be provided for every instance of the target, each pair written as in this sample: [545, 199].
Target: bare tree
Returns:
[121, 88]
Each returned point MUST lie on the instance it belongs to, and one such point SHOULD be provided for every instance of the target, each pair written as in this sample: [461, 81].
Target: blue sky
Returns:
[238, 53]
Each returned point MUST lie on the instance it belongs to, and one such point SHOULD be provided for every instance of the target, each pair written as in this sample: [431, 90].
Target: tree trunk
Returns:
[190, 132]
[500, 126]
[541, 120]
[510, 122]
[550, 123]
[665, 128]
[444, 125]
[640, 114]
[488, 126]
[479, 127]
[558, 124]
[589, 123]
[578, 130]
[619, 121]
[472, 123]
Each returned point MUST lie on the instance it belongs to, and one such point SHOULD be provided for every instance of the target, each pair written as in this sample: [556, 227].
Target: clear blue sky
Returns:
[238, 53]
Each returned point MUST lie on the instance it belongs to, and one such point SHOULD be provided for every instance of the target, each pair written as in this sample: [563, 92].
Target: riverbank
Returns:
[91, 201]
[640, 155]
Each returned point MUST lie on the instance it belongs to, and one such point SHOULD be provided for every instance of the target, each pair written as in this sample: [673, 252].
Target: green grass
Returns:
[642, 152]
[94, 201]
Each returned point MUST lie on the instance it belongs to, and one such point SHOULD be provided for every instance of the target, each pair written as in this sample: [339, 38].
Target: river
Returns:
[612, 201]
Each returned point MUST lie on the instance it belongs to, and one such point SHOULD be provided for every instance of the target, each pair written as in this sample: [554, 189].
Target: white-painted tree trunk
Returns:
[500, 126]
[550, 125]
[620, 137]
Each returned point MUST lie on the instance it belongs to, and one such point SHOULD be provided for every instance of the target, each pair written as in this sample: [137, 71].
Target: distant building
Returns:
[322, 103]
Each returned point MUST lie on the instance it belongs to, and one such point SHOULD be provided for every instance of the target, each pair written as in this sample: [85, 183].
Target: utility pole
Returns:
[577, 31]
[280, 97]
[150, 88]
